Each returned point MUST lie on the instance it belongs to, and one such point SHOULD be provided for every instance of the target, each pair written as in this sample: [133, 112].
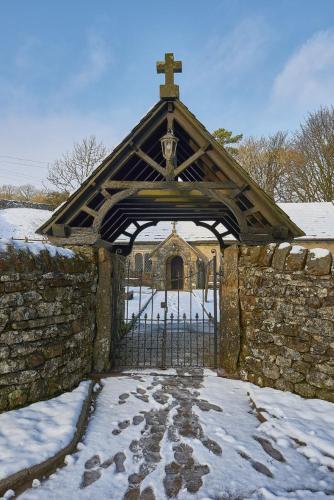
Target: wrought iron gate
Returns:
[164, 328]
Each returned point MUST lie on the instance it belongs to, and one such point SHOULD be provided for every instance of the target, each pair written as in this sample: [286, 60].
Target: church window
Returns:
[138, 262]
[147, 263]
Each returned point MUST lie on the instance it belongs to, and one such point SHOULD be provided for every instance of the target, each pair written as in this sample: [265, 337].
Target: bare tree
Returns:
[8, 191]
[69, 172]
[312, 174]
[268, 160]
[26, 192]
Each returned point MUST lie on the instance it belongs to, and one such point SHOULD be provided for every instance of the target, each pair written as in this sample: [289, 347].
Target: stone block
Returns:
[292, 375]
[326, 394]
[320, 380]
[305, 390]
[3, 321]
[284, 385]
[31, 297]
[283, 362]
[271, 371]
[23, 313]
[327, 368]
[35, 360]
[296, 344]
[14, 299]
[301, 366]
[11, 365]
[280, 254]
[253, 364]
[296, 259]
[266, 255]
[18, 397]
[319, 261]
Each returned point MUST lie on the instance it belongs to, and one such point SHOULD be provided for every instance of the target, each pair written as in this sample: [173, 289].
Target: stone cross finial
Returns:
[174, 226]
[169, 67]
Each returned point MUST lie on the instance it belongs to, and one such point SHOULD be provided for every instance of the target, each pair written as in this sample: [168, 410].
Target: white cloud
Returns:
[96, 62]
[228, 57]
[307, 79]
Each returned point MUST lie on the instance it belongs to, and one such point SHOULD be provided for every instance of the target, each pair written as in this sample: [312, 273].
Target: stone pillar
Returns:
[102, 343]
[230, 312]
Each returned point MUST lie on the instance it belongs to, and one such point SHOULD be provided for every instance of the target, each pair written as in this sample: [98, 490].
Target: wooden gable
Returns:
[129, 191]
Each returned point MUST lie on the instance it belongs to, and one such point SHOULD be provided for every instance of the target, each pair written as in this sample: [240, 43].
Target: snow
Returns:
[315, 219]
[36, 247]
[100, 440]
[22, 222]
[283, 245]
[137, 304]
[300, 476]
[309, 422]
[177, 304]
[30, 435]
[318, 253]
[209, 304]
[296, 249]
[186, 229]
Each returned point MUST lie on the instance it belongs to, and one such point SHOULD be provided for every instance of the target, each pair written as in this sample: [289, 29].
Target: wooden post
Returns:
[102, 343]
[230, 312]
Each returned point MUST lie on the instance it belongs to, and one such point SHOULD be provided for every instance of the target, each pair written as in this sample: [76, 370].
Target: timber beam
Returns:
[180, 186]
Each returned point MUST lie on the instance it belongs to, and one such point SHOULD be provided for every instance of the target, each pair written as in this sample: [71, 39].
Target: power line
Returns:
[12, 174]
[24, 159]
[9, 162]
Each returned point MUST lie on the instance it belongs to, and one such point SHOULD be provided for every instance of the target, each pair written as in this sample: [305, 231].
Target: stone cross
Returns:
[174, 226]
[169, 67]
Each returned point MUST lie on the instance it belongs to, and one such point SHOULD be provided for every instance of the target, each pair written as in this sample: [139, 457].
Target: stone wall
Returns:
[47, 321]
[281, 301]
[24, 204]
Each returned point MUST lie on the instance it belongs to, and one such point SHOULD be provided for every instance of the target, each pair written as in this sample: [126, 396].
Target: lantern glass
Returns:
[168, 145]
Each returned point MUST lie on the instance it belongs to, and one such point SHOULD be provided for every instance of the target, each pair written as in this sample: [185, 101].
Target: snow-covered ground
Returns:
[30, 435]
[208, 305]
[139, 302]
[178, 304]
[22, 222]
[287, 416]
[237, 457]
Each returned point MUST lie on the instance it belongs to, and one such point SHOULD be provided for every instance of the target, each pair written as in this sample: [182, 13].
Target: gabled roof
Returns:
[129, 189]
[174, 235]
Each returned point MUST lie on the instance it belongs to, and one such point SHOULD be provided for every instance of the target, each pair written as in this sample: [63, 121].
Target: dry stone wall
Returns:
[283, 297]
[47, 321]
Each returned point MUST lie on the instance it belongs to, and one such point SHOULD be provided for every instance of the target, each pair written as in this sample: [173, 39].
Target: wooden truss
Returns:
[129, 191]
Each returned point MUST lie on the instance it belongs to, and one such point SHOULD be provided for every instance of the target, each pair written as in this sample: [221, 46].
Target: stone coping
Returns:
[22, 480]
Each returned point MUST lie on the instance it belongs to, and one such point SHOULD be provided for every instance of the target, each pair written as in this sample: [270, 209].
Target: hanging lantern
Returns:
[168, 145]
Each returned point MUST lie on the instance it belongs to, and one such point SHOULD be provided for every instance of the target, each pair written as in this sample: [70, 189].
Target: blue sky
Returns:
[69, 69]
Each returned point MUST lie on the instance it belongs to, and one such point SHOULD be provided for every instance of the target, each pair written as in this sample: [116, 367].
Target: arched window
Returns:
[147, 263]
[138, 262]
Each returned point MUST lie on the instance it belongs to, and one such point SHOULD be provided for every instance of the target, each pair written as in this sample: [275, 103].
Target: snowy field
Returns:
[208, 306]
[30, 435]
[144, 432]
[22, 222]
[178, 304]
[139, 301]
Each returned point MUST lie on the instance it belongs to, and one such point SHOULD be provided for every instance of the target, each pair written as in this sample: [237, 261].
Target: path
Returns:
[189, 436]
